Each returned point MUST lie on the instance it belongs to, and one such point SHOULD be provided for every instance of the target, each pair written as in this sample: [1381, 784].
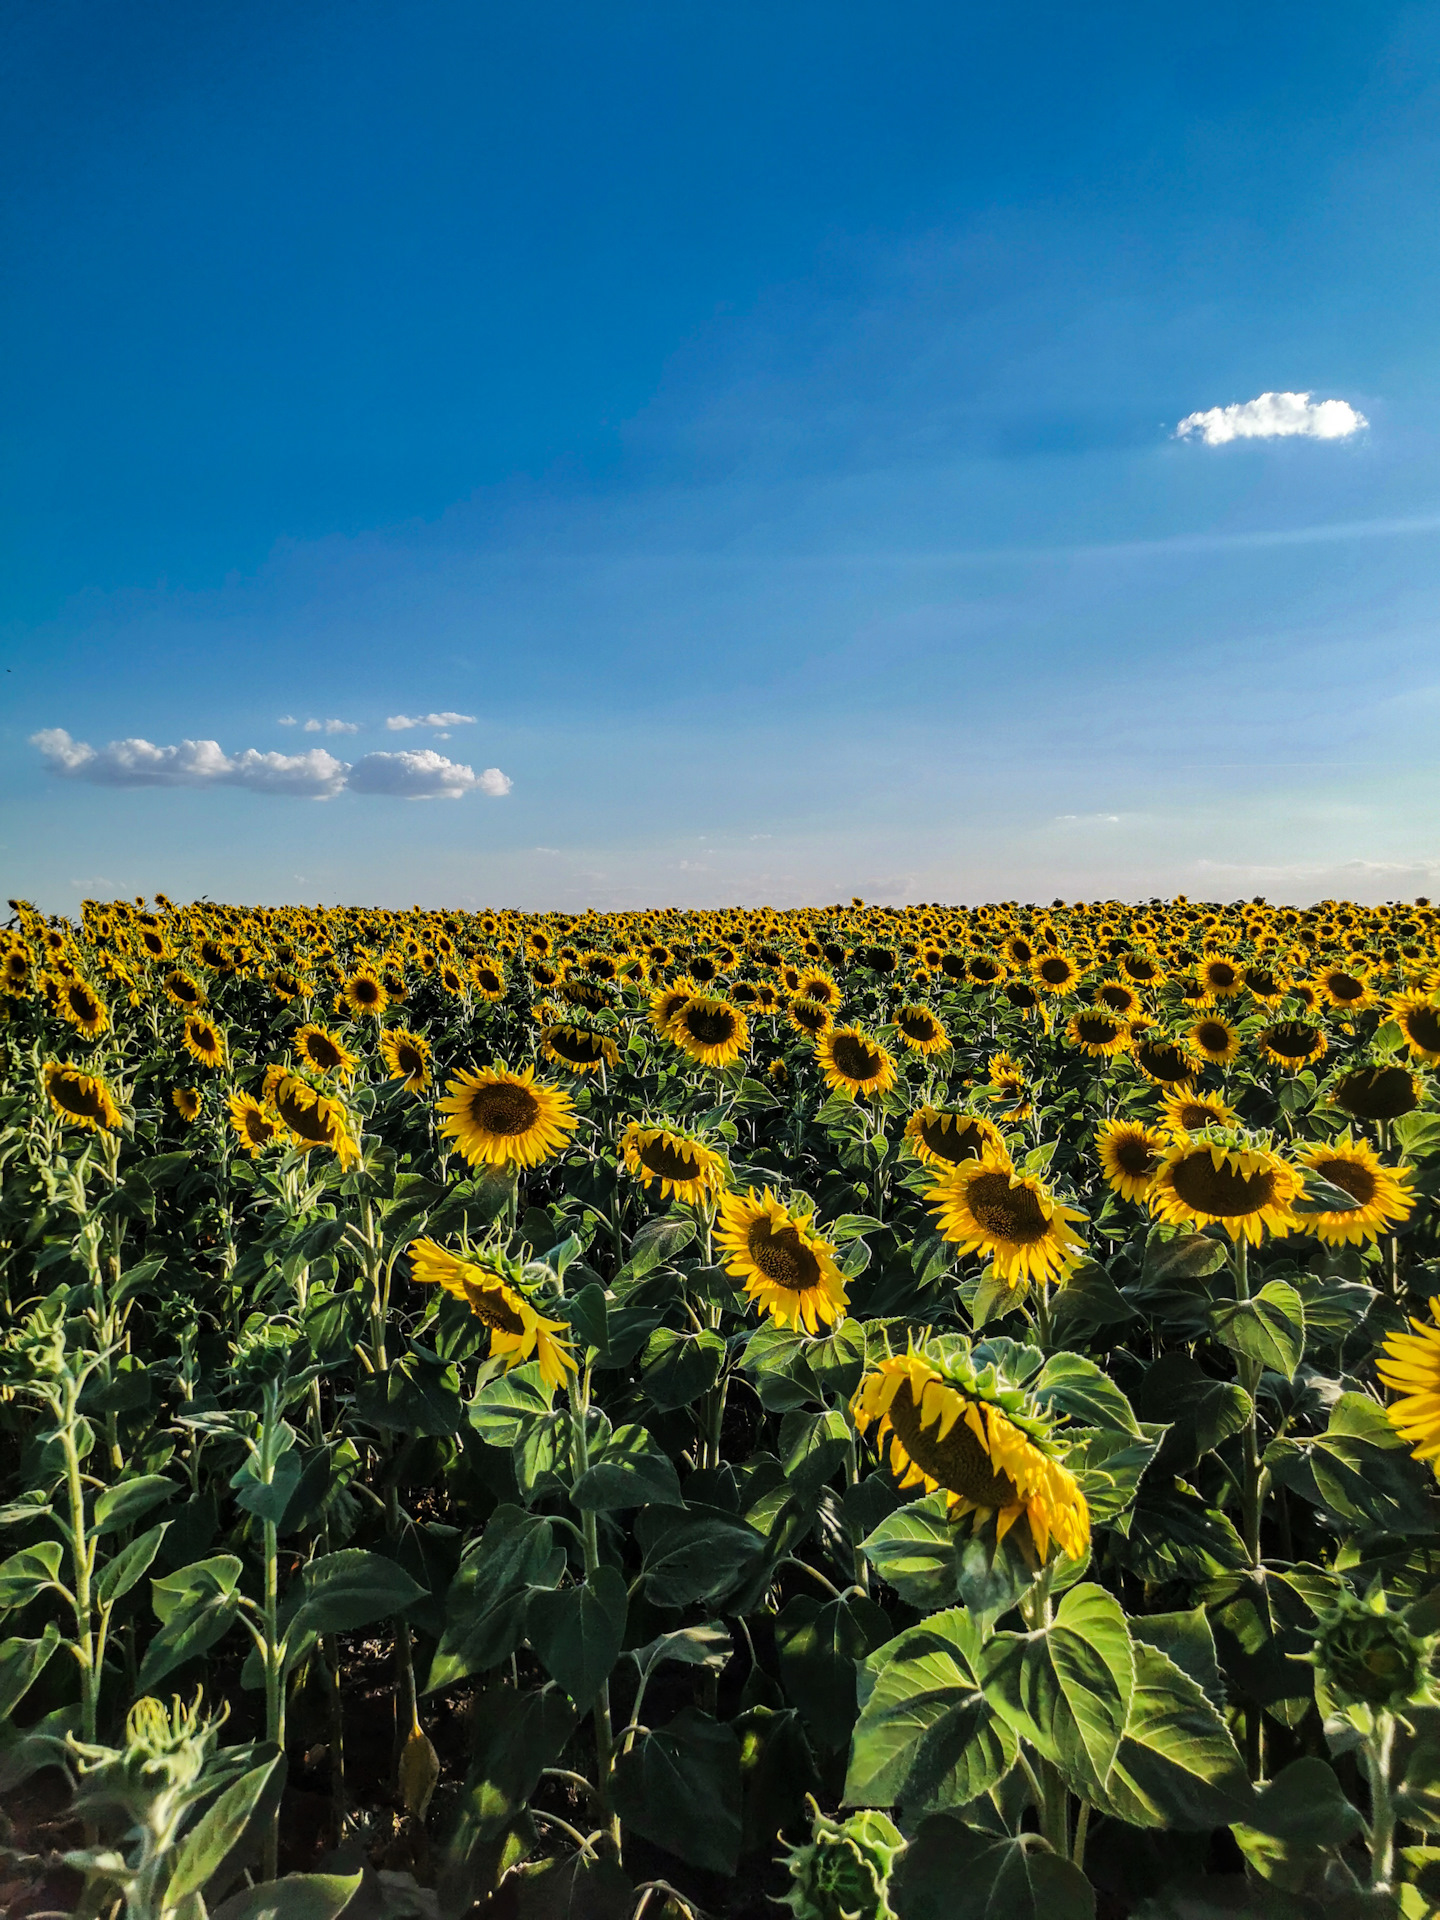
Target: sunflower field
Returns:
[909, 1414]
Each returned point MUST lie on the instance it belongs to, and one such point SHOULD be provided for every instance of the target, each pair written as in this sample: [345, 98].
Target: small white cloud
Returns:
[1273, 416]
[316, 775]
[425, 775]
[286, 720]
[401, 722]
[327, 726]
[1090, 819]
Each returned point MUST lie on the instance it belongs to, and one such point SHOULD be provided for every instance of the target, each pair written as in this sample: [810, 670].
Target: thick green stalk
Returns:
[1377, 1753]
[82, 1555]
[590, 1540]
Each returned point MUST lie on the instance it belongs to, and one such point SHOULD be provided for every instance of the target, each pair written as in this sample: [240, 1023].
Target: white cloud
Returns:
[401, 722]
[286, 720]
[327, 726]
[1271, 416]
[425, 775]
[315, 775]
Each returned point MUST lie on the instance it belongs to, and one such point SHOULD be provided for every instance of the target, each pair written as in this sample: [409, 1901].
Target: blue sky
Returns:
[753, 426]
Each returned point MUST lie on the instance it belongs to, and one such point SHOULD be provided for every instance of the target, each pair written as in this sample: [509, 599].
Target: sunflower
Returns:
[1264, 984]
[684, 1168]
[1377, 1093]
[1418, 1018]
[83, 1008]
[1098, 1033]
[947, 1136]
[1055, 973]
[1185, 1112]
[1306, 993]
[1221, 977]
[710, 1030]
[666, 1002]
[451, 980]
[1129, 1154]
[186, 1102]
[502, 1119]
[1215, 1038]
[985, 970]
[315, 1119]
[1381, 1194]
[921, 1031]
[184, 991]
[17, 971]
[362, 994]
[407, 1057]
[986, 1207]
[204, 1041]
[287, 986]
[1226, 1178]
[810, 1017]
[1143, 968]
[788, 1270]
[987, 1445]
[579, 1048]
[1292, 1043]
[1008, 1088]
[491, 1288]
[323, 1053]
[1117, 997]
[1410, 1366]
[488, 978]
[767, 999]
[1347, 989]
[816, 984]
[853, 1063]
[81, 1097]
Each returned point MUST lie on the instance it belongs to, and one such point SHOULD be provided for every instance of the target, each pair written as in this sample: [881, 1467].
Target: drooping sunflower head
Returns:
[1215, 1039]
[493, 1287]
[1226, 1178]
[502, 1119]
[941, 1423]
[1185, 1112]
[1382, 1195]
[1377, 1092]
[83, 1008]
[1292, 1043]
[315, 1119]
[1097, 1032]
[710, 1030]
[853, 1063]
[948, 1136]
[1264, 984]
[985, 970]
[255, 1127]
[184, 991]
[204, 1041]
[407, 1057]
[922, 1031]
[1418, 1017]
[1117, 997]
[81, 1097]
[186, 1102]
[810, 1017]
[988, 1208]
[580, 1049]
[683, 1167]
[17, 971]
[788, 1270]
[323, 1053]
[1129, 1154]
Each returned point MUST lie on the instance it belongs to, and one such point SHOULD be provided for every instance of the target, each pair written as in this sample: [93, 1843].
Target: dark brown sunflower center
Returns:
[710, 1026]
[782, 1257]
[1140, 968]
[1213, 1036]
[669, 1160]
[953, 964]
[257, 1128]
[490, 1305]
[1357, 1180]
[1095, 1030]
[1220, 973]
[958, 1462]
[1055, 971]
[1378, 1093]
[1120, 998]
[985, 971]
[504, 1108]
[960, 1140]
[1262, 983]
[1022, 996]
[76, 1096]
[1293, 1040]
[1194, 1114]
[304, 1115]
[205, 1038]
[917, 1026]
[1134, 1155]
[1222, 1190]
[855, 1059]
[584, 1049]
[487, 979]
[1164, 1063]
[1004, 1212]
[1344, 986]
[1422, 1027]
[409, 1058]
[322, 1052]
[809, 1015]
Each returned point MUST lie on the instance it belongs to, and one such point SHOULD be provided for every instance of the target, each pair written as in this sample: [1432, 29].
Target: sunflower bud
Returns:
[1369, 1657]
[844, 1871]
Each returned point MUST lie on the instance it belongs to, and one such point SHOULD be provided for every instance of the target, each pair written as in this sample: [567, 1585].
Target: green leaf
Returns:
[679, 1787]
[1323, 1196]
[814, 1447]
[1069, 1383]
[582, 1887]
[1109, 1466]
[707, 1645]
[1201, 1410]
[516, 1736]
[1170, 1533]
[849, 1226]
[1173, 1256]
[655, 1243]
[416, 1394]
[679, 1367]
[577, 1632]
[505, 1407]
[29, 1572]
[299, 1896]
[951, 1871]
[837, 1361]
[1186, 1639]
[820, 1644]
[1177, 1765]
[1418, 1134]
[195, 1608]
[926, 1735]
[933, 1562]
[630, 1469]
[777, 1772]
[122, 1505]
[1269, 1328]
[1067, 1689]
[485, 1607]
[21, 1664]
[1090, 1297]
[348, 1589]
[267, 1499]
[704, 1554]
[130, 1565]
[1296, 1824]
[219, 1834]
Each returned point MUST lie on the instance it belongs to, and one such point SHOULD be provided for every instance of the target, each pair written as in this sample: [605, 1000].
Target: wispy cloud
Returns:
[1273, 416]
[401, 722]
[314, 775]
[331, 726]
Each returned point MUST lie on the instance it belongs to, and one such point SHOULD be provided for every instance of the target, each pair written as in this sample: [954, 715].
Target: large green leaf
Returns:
[820, 1644]
[680, 1367]
[702, 1554]
[122, 1505]
[130, 1565]
[1297, 1824]
[926, 1736]
[21, 1664]
[195, 1607]
[1177, 1765]
[485, 1607]
[951, 1871]
[218, 1836]
[1067, 1689]
[932, 1562]
[630, 1469]
[299, 1896]
[1269, 1327]
[28, 1573]
[814, 1447]
[348, 1589]
[1069, 1383]
[577, 1632]
[680, 1788]
[516, 1736]
[505, 1407]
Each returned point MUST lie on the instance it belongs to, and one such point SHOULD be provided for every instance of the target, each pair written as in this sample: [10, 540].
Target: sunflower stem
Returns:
[590, 1541]
[1377, 1752]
